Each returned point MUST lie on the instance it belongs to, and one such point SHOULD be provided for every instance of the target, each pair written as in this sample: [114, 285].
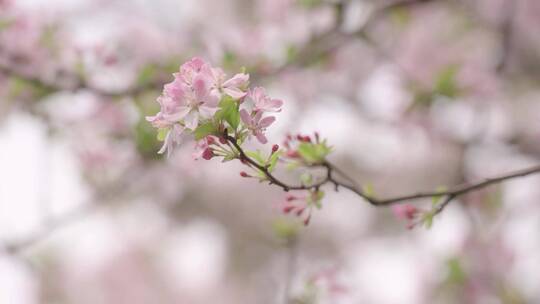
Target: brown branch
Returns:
[271, 178]
[81, 84]
[449, 194]
[507, 29]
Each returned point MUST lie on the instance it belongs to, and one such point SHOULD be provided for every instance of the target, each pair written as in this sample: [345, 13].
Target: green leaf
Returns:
[228, 157]
[256, 155]
[292, 165]
[48, 38]
[229, 111]
[428, 220]
[146, 74]
[435, 199]
[314, 153]
[145, 140]
[456, 274]
[446, 83]
[285, 229]
[273, 160]
[368, 189]
[229, 59]
[162, 133]
[292, 53]
[204, 130]
[400, 16]
[317, 198]
[5, 23]
[306, 178]
[310, 3]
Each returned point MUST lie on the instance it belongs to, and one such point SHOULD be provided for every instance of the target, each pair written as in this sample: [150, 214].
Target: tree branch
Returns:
[81, 84]
[449, 194]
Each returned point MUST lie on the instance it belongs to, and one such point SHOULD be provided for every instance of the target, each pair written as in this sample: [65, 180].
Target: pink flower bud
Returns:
[291, 197]
[405, 211]
[244, 174]
[210, 140]
[275, 148]
[293, 154]
[288, 209]
[306, 221]
[208, 154]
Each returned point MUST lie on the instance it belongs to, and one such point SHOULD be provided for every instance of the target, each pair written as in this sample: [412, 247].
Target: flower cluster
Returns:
[221, 113]
[201, 102]
[302, 205]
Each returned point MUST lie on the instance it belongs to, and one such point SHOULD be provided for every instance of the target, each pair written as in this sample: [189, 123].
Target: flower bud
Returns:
[244, 174]
[208, 154]
[288, 209]
[210, 140]
[306, 221]
[293, 154]
[275, 148]
[291, 197]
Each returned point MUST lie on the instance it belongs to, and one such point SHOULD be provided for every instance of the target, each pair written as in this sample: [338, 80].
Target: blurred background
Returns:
[412, 94]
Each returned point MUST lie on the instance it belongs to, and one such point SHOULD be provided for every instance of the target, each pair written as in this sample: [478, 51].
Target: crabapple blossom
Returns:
[257, 124]
[234, 87]
[192, 99]
[263, 102]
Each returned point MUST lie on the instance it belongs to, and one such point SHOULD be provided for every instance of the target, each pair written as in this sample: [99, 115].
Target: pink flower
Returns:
[172, 139]
[192, 68]
[234, 87]
[188, 98]
[263, 102]
[256, 124]
[405, 211]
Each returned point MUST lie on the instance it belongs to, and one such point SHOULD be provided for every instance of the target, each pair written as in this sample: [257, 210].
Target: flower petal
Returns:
[234, 92]
[246, 118]
[267, 121]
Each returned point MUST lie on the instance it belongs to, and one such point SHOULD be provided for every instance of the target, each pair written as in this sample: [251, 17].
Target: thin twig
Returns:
[81, 84]
[507, 29]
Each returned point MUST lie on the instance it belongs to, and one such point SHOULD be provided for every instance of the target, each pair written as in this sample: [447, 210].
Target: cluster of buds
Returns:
[302, 206]
[297, 206]
[306, 149]
[291, 143]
